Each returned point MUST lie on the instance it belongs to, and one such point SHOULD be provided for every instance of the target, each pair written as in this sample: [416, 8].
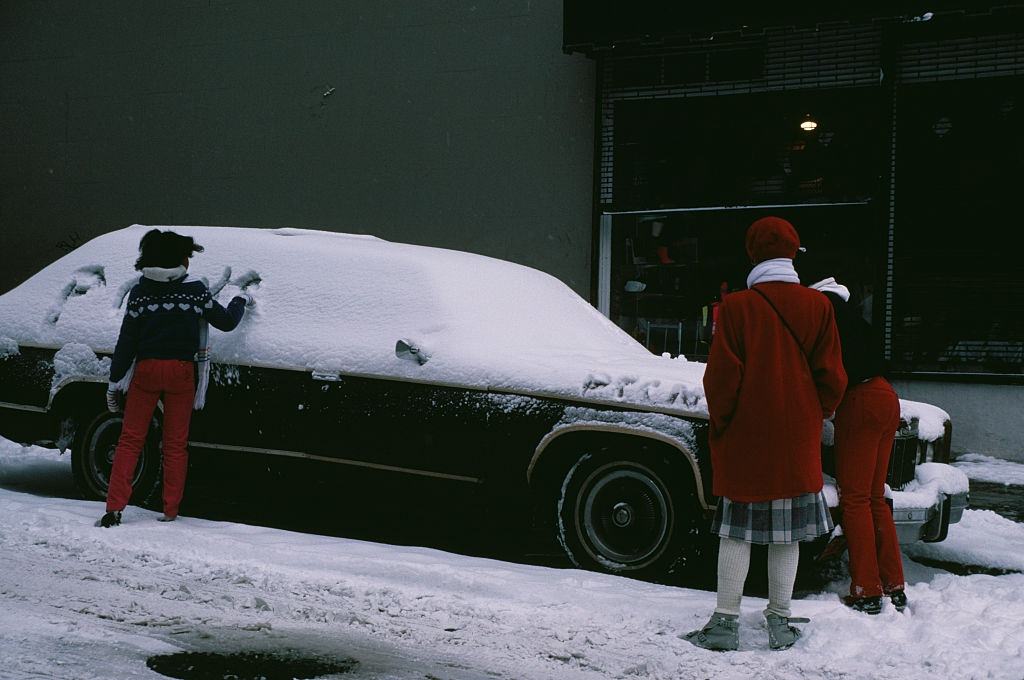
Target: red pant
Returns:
[866, 423]
[172, 381]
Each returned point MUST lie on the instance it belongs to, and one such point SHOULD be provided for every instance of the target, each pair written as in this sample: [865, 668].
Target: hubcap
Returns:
[622, 514]
[102, 444]
[625, 515]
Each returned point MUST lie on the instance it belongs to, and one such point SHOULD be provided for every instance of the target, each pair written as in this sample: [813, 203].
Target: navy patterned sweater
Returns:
[162, 321]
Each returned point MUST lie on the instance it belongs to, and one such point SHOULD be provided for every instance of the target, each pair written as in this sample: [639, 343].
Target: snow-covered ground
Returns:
[989, 469]
[82, 602]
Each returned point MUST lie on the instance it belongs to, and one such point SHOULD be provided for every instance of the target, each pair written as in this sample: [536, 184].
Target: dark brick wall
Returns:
[455, 124]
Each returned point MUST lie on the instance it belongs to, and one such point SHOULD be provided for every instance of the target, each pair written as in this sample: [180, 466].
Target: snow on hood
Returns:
[340, 302]
[931, 480]
[931, 420]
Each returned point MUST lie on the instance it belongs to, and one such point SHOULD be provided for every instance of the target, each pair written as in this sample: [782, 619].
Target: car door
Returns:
[400, 426]
[254, 409]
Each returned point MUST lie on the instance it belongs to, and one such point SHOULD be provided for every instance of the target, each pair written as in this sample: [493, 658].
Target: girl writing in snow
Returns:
[163, 340]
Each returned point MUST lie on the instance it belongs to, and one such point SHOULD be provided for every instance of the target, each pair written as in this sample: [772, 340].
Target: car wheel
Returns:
[625, 516]
[92, 458]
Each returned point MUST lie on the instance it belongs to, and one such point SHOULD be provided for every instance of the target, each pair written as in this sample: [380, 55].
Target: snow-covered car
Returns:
[409, 360]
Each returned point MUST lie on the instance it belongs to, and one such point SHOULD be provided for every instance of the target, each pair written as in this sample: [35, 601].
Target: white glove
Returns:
[113, 401]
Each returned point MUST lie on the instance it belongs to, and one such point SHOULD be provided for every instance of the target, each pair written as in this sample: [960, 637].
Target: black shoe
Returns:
[867, 605]
[898, 599]
[111, 519]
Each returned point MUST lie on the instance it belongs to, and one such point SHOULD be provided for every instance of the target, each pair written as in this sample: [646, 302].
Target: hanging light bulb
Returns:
[808, 124]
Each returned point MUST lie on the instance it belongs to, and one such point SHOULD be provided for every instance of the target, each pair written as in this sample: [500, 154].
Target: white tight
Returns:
[734, 563]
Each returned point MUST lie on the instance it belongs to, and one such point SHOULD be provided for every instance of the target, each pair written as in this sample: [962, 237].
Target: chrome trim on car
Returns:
[930, 524]
[622, 429]
[22, 407]
[341, 461]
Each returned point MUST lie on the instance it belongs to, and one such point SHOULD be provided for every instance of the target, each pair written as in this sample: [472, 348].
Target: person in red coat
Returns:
[774, 372]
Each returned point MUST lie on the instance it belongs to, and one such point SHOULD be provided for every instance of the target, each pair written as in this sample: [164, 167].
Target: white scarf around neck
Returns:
[776, 269]
[163, 274]
[830, 285]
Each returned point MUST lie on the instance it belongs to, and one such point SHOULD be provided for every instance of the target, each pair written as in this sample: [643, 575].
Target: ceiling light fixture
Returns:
[808, 125]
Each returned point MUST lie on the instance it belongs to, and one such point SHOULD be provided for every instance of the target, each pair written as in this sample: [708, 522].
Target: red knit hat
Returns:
[771, 237]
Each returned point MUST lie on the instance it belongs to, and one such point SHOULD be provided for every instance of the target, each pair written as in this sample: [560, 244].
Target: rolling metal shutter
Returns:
[992, 55]
[775, 61]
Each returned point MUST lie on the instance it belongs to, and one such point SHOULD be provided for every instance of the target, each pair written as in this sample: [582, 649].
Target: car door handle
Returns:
[326, 375]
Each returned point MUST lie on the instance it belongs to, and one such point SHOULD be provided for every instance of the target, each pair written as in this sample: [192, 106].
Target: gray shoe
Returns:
[721, 633]
[781, 635]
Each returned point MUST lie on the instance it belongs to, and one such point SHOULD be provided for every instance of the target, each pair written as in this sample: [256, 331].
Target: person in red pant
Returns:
[865, 427]
[162, 340]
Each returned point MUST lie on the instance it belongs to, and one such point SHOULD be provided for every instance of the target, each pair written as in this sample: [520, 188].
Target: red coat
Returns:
[766, 406]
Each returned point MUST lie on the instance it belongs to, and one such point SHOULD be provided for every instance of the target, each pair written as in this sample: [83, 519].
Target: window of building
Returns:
[814, 146]
[691, 174]
[669, 270]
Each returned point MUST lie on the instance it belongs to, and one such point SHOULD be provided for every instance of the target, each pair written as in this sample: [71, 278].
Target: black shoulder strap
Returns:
[784, 323]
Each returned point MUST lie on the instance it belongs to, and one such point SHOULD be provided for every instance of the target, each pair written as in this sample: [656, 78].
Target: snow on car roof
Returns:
[339, 302]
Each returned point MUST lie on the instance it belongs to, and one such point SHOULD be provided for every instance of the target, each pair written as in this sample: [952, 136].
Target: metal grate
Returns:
[982, 56]
[906, 453]
[958, 304]
[775, 61]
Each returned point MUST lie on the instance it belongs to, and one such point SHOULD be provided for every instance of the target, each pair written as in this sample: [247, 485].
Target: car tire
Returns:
[631, 515]
[92, 457]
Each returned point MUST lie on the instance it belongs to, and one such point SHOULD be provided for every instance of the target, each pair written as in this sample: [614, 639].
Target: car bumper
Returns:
[929, 524]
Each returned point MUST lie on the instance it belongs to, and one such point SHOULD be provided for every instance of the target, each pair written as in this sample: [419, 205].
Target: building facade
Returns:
[453, 124]
[890, 135]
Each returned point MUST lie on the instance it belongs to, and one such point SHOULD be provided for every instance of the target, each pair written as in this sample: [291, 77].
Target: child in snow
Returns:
[775, 370]
[163, 338]
[865, 427]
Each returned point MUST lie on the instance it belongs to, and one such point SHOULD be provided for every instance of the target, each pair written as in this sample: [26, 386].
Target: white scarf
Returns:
[163, 274]
[777, 269]
[830, 285]
[202, 359]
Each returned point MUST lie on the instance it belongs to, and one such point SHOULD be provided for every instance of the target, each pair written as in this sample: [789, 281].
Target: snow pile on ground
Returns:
[77, 601]
[338, 302]
[989, 469]
[982, 537]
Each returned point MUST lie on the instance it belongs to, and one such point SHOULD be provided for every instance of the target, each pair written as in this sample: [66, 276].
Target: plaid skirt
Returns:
[784, 520]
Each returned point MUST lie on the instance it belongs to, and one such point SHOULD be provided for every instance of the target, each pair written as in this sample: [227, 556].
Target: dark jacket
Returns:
[162, 321]
[765, 399]
[862, 356]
